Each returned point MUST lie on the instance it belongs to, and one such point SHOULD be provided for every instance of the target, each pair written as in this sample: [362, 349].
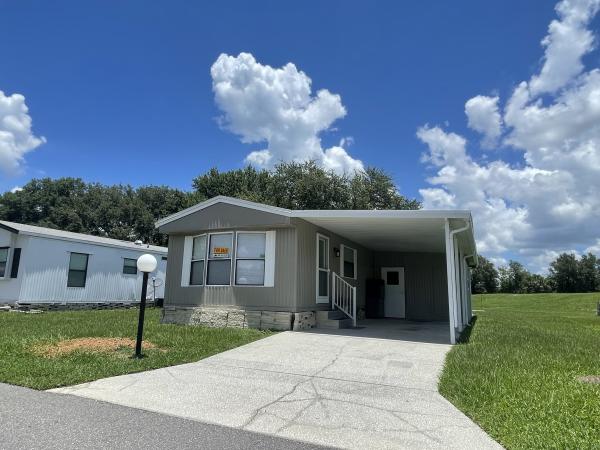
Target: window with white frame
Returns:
[250, 258]
[220, 249]
[198, 260]
[3, 261]
[348, 259]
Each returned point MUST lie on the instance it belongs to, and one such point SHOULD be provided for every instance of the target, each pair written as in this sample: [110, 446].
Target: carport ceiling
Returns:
[388, 233]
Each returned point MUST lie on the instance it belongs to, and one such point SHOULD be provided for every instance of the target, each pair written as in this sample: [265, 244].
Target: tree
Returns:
[119, 212]
[513, 278]
[589, 273]
[484, 277]
[564, 272]
[535, 283]
[305, 185]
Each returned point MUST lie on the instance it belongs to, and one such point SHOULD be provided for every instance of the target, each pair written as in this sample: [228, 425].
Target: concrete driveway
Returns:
[341, 389]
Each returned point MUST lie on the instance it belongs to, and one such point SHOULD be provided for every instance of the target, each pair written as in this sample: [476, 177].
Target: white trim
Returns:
[355, 275]
[322, 298]
[270, 258]
[186, 267]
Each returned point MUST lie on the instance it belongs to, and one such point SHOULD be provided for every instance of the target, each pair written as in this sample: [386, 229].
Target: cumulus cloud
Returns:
[16, 136]
[483, 116]
[276, 107]
[550, 202]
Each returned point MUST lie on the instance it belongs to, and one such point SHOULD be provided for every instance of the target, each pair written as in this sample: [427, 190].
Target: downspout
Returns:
[451, 269]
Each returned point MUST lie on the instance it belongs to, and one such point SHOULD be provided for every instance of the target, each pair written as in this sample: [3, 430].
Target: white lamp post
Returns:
[145, 264]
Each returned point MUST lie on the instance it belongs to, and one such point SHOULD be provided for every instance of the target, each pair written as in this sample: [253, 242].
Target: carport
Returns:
[434, 248]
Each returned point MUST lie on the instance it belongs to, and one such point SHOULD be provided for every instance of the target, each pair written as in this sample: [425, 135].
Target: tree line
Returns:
[567, 273]
[128, 213]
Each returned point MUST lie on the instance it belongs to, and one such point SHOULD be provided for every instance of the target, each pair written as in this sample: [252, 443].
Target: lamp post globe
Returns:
[145, 264]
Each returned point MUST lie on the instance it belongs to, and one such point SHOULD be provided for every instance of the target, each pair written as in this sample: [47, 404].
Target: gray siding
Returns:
[223, 216]
[307, 264]
[281, 297]
[425, 282]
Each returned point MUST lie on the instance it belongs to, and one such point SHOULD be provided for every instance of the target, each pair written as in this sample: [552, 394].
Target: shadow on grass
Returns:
[465, 336]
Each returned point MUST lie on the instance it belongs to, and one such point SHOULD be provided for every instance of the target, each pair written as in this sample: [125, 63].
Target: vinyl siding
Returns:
[44, 268]
[425, 282]
[307, 264]
[280, 297]
[223, 216]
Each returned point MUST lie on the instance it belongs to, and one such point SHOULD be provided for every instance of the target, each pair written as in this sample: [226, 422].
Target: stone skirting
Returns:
[238, 318]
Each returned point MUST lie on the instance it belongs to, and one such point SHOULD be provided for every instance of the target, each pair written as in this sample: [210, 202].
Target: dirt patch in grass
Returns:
[89, 345]
[591, 379]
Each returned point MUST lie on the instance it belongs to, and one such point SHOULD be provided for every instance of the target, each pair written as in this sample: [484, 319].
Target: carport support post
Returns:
[451, 276]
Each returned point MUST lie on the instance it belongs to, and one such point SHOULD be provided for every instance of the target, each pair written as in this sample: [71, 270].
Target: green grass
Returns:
[19, 333]
[516, 375]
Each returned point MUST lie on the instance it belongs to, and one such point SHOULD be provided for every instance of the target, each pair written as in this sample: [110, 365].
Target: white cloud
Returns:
[551, 201]
[16, 189]
[16, 136]
[483, 116]
[595, 248]
[567, 41]
[276, 106]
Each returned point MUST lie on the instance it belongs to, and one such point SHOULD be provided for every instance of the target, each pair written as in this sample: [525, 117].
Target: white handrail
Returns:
[343, 296]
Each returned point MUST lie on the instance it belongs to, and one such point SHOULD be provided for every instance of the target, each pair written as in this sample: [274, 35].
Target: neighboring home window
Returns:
[130, 266]
[3, 261]
[77, 270]
[16, 259]
[198, 258]
[348, 258]
[250, 259]
[219, 259]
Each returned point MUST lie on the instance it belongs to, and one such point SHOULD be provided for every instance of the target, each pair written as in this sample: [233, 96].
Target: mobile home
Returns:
[47, 267]
[239, 263]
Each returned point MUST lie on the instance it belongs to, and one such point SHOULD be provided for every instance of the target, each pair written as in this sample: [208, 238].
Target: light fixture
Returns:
[145, 264]
[336, 252]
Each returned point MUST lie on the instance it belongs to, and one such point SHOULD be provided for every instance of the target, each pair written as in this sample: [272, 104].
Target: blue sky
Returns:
[122, 91]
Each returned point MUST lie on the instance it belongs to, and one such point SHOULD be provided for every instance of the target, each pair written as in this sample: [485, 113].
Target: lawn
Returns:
[517, 374]
[23, 335]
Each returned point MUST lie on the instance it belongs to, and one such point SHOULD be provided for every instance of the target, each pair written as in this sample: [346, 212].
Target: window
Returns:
[14, 268]
[348, 261]
[250, 259]
[220, 248]
[198, 258]
[130, 266]
[77, 270]
[3, 260]
[322, 269]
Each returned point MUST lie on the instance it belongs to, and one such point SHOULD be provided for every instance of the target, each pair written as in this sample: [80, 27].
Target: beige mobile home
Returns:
[233, 262]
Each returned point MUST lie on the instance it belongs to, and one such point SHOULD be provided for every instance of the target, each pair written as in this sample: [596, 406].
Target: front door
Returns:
[322, 269]
[395, 302]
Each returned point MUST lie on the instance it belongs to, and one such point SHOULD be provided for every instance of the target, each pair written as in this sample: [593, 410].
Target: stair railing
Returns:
[343, 296]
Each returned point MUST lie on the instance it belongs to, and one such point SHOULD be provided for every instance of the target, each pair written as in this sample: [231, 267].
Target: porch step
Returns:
[333, 320]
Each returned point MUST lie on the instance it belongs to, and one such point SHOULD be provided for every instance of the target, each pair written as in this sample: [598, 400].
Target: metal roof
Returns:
[31, 230]
[408, 230]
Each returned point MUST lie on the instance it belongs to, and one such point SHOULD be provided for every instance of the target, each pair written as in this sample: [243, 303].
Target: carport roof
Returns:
[383, 230]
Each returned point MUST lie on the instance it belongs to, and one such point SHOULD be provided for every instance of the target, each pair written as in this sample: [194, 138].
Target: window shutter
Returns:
[270, 259]
[188, 242]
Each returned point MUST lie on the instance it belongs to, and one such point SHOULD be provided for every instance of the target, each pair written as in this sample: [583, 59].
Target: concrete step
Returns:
[334, 323]
[331, 315]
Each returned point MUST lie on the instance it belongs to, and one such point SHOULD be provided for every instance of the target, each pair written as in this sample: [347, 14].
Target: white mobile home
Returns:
[43, 266]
